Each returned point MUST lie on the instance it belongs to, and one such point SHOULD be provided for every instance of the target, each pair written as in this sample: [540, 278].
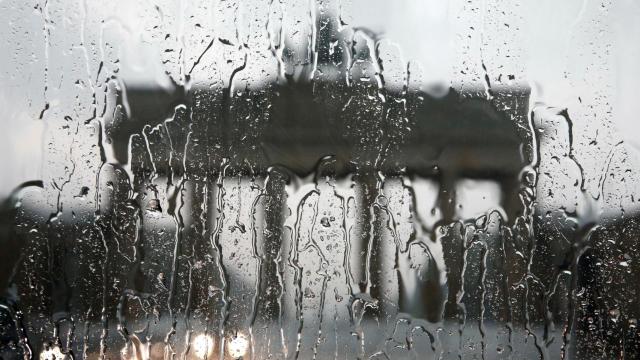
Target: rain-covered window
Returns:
[319, 179]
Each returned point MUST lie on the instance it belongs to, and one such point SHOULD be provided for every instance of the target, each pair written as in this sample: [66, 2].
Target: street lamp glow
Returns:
[53, 353]
[202, 346]
[238, 346]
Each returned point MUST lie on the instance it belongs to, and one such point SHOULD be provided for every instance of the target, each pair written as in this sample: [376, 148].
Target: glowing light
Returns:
[53, 353]
[137, 350]
[202, 346]
[238, 346]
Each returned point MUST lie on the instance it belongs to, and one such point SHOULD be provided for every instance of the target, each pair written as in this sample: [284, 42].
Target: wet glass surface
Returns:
[324, 179]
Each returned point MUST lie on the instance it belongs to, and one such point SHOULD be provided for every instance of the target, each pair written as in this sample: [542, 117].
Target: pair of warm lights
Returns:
[202, 346]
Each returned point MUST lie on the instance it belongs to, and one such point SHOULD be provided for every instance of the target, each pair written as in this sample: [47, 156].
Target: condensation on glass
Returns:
[324, 179]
